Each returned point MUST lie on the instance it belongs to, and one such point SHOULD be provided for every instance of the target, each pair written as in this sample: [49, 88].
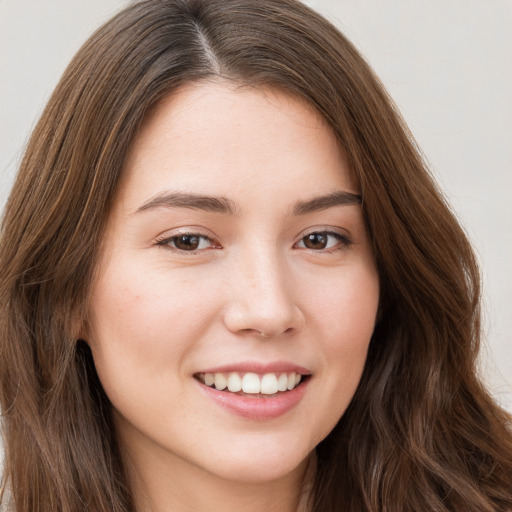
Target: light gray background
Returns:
[447, 64]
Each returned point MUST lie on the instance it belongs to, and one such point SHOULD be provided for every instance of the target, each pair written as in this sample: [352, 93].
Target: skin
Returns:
[161, 313]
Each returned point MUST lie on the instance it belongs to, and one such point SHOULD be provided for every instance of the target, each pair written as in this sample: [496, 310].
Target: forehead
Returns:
[220, 139]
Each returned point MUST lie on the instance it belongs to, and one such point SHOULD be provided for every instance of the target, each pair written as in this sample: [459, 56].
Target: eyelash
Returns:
[342, 241]
[170, 242]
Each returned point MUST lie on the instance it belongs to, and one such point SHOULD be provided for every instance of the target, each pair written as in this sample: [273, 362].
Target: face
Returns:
[236, 255]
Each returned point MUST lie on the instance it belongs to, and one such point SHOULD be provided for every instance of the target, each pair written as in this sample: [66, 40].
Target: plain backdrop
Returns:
[446, 63]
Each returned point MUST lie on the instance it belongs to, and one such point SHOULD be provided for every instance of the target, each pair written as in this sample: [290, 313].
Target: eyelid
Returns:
[340, 234]
[164, 239]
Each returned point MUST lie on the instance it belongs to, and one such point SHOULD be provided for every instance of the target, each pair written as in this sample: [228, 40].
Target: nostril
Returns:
[249, 318]
[254, 332]
[268, 334]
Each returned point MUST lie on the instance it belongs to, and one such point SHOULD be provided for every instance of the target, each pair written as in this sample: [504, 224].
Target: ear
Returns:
[83, 334]
[79, 328]
[380, 311]
[378, 316]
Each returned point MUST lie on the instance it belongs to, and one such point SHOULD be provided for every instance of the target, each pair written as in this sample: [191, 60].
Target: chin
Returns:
[253, 462]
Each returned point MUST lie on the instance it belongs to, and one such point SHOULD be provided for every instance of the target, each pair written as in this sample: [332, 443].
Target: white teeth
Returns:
[252, 383]
[234, 382]
[269, 384]
[220, 381]
[282, 382]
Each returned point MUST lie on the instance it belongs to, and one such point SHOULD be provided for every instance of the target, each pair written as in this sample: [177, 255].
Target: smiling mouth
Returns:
[251, 384]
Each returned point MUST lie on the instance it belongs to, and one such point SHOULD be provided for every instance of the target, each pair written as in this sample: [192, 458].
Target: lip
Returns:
[256, 408]
[259, 368]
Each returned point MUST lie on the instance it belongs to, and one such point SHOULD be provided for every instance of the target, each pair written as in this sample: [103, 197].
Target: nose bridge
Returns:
[262, 294]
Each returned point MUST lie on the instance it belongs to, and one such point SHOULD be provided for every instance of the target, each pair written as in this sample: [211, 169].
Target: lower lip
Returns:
[257, 408]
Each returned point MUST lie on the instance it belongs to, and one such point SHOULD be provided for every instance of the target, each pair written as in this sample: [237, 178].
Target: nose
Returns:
[261, 298]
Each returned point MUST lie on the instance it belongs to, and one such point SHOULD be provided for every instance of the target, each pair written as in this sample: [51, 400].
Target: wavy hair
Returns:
[421, 432]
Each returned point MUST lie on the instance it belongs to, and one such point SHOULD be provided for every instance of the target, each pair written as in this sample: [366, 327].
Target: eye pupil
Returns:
[315, 241]
[187, 242]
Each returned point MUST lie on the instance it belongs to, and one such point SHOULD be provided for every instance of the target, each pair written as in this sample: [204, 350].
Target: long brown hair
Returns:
[421, 432]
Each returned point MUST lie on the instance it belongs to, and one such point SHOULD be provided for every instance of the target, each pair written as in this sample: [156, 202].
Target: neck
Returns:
[185, 488]
[162, 483]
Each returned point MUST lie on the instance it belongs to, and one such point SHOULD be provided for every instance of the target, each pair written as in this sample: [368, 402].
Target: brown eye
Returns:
[316, 241]
[188, 242]
[323, 240]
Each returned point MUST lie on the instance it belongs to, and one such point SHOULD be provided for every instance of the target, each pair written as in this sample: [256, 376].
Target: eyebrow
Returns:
[338, 198]
[191, 201]
[226, 206]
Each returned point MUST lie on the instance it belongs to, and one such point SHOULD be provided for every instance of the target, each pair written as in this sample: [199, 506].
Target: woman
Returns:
[228, 280]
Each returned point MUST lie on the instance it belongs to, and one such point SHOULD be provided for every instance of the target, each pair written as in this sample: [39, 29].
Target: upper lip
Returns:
[259, 367]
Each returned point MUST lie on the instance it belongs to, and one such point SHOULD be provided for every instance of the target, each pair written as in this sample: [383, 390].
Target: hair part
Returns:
[420, 414]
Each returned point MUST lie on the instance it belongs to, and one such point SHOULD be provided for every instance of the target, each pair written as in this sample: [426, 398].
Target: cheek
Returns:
[141, 330]
[345, 313]
[143, 323]
[345, 307]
